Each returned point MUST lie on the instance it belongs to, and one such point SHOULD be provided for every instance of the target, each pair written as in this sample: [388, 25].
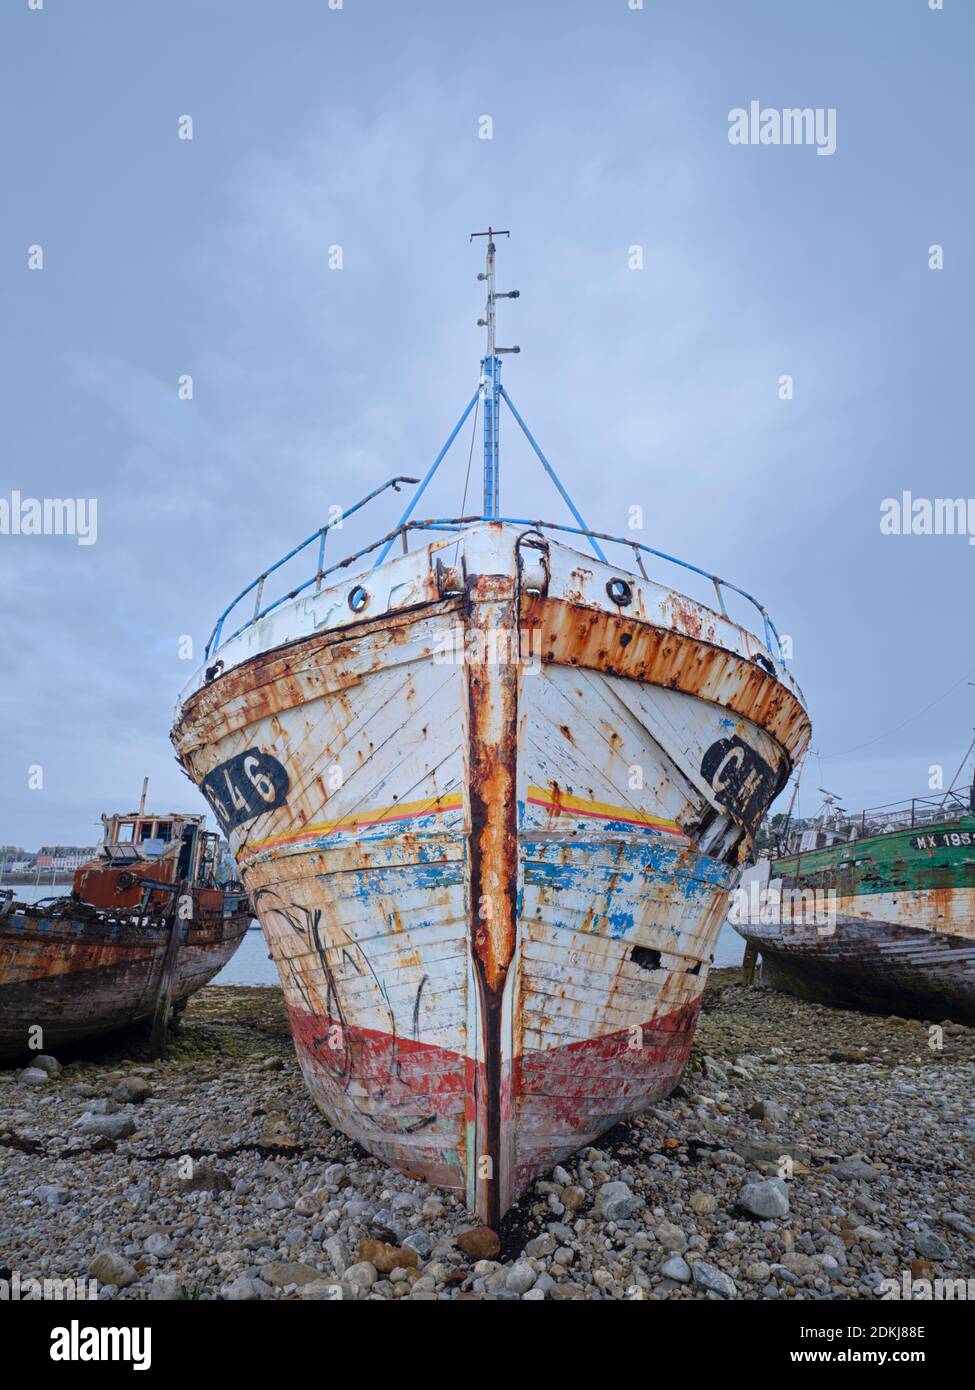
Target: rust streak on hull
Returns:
[492, 705]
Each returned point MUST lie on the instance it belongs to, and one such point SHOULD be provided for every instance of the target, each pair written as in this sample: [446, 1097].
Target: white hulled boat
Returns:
[488, 798]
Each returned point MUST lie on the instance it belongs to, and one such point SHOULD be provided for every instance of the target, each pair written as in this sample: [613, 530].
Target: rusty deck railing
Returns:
[913, 811]
[454, 524]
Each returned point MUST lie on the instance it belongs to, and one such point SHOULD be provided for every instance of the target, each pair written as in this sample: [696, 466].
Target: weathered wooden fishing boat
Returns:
[145, 925]
[874, 911]
[488, 798]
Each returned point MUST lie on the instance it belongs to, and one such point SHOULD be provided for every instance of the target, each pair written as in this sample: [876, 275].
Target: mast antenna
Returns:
[490, 386]
[490, 393]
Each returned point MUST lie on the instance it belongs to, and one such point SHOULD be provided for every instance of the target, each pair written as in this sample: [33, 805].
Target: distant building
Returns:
[22, 865]
[64, 857]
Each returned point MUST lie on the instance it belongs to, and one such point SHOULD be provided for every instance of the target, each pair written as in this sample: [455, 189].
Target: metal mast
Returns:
[490, 393]
[490, 385]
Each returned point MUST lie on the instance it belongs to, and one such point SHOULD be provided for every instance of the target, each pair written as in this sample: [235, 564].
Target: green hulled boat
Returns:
[873, 912]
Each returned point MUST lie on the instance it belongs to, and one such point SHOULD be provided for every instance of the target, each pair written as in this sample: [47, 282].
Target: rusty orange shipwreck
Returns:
[147, 923]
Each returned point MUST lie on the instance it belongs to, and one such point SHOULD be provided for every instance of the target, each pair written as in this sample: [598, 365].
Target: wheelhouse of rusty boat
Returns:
[146, 924]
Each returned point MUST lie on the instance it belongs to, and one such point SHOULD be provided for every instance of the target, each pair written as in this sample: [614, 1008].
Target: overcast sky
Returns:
[359, 128]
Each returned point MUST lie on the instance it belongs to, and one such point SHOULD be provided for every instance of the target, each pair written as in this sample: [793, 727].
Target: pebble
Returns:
[109, 1268]
[768, 1110]
[855, 1168]
[767, 1200]
[107, 1126]
[931, 1247]
[206, 1177]
[615, 1202]
[520, 1277]
[385, 1257]
[246, 1289]
[159, 1245]
[481, 1243]
[709, 1277]
[132, 1091]
[671, 1237]
[362, 1275]
[703, 1203]
[166, 1288]
[338, 1254]
[104, 1106]
[286, 1274]
[421, 1242]
[53, 1193]
[33, 1076]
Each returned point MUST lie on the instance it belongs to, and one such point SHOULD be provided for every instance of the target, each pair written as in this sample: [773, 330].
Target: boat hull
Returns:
[875, 966]
[67, 978]
[891, 929]
[490, 860]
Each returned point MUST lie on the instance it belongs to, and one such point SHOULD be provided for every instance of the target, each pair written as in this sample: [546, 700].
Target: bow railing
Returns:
[453, 525]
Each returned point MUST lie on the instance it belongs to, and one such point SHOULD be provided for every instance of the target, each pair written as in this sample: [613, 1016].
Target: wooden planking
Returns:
[374, 734]
[382, 948]
[571, 710]
[591, 891]
[375, 749]
[872, 965]
[293, 677]
[81, 979]
[684, 725]
[385, 949]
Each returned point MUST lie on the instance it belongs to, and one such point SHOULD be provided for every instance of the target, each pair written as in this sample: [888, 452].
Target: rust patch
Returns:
[685, 615]
[493, 711]
[295, 673]
[577, 636]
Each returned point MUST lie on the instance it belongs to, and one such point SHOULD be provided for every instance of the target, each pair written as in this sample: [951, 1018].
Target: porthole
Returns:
[620, 592]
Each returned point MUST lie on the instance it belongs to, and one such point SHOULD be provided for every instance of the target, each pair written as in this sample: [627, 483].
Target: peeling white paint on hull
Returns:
[489, 827]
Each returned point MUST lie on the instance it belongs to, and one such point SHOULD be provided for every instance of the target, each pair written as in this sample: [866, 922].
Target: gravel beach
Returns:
[809, 1153]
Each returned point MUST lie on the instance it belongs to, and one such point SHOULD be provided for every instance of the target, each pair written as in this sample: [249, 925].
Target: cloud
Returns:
[313, 385]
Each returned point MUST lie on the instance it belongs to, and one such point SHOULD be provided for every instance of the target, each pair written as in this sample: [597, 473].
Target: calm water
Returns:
[33, 892]
[250, 964]
[731, 947]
